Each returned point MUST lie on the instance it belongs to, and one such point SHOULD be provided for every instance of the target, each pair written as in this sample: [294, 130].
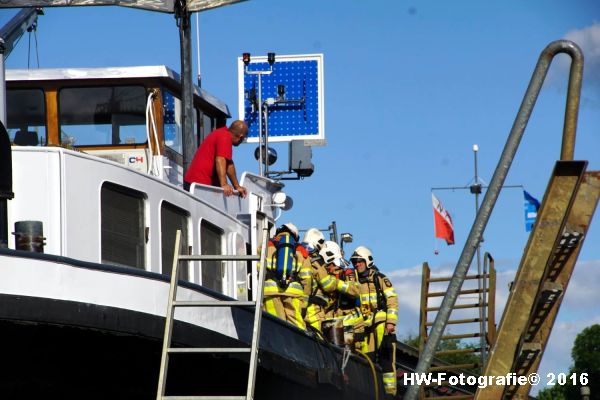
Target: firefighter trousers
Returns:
[381, 349]
[286, 308]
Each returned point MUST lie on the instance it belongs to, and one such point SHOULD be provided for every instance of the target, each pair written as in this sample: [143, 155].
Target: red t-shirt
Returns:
[202, 169]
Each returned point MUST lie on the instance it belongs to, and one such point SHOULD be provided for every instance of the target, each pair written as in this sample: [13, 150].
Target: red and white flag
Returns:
[443, 222]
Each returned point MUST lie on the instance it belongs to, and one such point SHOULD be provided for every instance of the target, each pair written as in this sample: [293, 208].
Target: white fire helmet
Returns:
[314, 240]
[361, 252]
[292, 229]
[331, 253]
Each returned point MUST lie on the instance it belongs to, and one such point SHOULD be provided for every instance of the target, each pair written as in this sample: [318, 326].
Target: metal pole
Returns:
[2, 83]
[6, 192]
[333, 235]
[485, 302]
[481, 278]
[266, 152]
[199, 76]
[260, 132]
[187, 89]
[491, 195]
[261, 151]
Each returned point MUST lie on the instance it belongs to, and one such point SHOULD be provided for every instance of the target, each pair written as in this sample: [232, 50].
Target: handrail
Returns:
[491, 195]
[573, 91]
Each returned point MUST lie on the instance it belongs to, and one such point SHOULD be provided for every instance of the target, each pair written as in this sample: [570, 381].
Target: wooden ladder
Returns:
[485, 307]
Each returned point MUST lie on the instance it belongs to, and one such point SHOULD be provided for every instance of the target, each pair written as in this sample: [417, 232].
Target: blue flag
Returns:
[531, 208]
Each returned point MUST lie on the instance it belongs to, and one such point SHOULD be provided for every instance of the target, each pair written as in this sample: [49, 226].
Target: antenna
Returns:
[199, 77]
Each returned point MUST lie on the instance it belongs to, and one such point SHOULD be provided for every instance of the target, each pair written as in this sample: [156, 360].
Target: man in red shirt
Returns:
[213, 163]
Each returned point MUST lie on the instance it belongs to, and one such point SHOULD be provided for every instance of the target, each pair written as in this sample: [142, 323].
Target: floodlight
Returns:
[346, 237]
[271, 58]
[278, 198]
[271, 154]
[246, 58]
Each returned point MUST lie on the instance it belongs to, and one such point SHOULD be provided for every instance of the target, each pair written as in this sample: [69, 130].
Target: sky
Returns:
[410, 87]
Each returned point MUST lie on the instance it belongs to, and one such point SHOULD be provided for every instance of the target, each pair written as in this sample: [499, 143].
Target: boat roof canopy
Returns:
[158, 71]
[168, 6]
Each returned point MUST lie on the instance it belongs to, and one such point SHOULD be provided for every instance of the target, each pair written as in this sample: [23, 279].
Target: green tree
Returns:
[586, 359]
[452, 344]
[552, 393]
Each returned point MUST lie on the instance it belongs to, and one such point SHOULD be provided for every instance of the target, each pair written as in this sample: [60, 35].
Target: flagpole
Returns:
[435, 249]
[476, 189]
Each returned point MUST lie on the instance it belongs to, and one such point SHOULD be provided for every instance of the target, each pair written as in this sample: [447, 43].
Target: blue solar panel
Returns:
[170, 125]
[298, 115]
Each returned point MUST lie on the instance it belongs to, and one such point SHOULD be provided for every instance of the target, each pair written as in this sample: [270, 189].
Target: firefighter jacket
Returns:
[300, 285]
[328, 286]
[378, 297]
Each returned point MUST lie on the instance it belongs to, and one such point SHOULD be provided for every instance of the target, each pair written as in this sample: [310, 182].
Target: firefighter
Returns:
[323, 284]
[379, 308]
[342, 309]
[288, 276]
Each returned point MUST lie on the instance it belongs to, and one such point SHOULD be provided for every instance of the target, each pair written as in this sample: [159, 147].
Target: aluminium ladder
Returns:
[173, 303]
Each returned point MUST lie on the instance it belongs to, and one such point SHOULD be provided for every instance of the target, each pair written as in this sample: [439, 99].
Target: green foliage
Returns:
[585, 354]
[586, 350]
[586, 359]
[552, 393]
[412, 341]
[460, 358]
[452, 344]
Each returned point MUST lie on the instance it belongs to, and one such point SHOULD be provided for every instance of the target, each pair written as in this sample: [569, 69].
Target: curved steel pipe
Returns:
[508, 154]
[573, 95]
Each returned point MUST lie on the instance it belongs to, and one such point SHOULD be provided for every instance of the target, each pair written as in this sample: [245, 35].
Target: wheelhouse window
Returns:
[173, 218]
[26, 116]
[123, 227]
[172, 111]
[207, 126]
[101, 116]
[210, 242]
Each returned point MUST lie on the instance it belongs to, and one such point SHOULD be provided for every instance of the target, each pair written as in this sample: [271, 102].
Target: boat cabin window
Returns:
[210, 242]
[123, 227]
[208, 125]
[26, 116]
[173, 218]
[173, 109]
[101, 116]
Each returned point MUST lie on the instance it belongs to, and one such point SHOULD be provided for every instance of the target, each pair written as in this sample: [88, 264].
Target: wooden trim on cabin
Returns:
[53, 134]
[157, 107]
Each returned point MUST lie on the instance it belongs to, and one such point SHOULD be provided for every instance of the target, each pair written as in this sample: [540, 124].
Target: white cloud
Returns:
[407, 283]
[582, 292]
[588, 40]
